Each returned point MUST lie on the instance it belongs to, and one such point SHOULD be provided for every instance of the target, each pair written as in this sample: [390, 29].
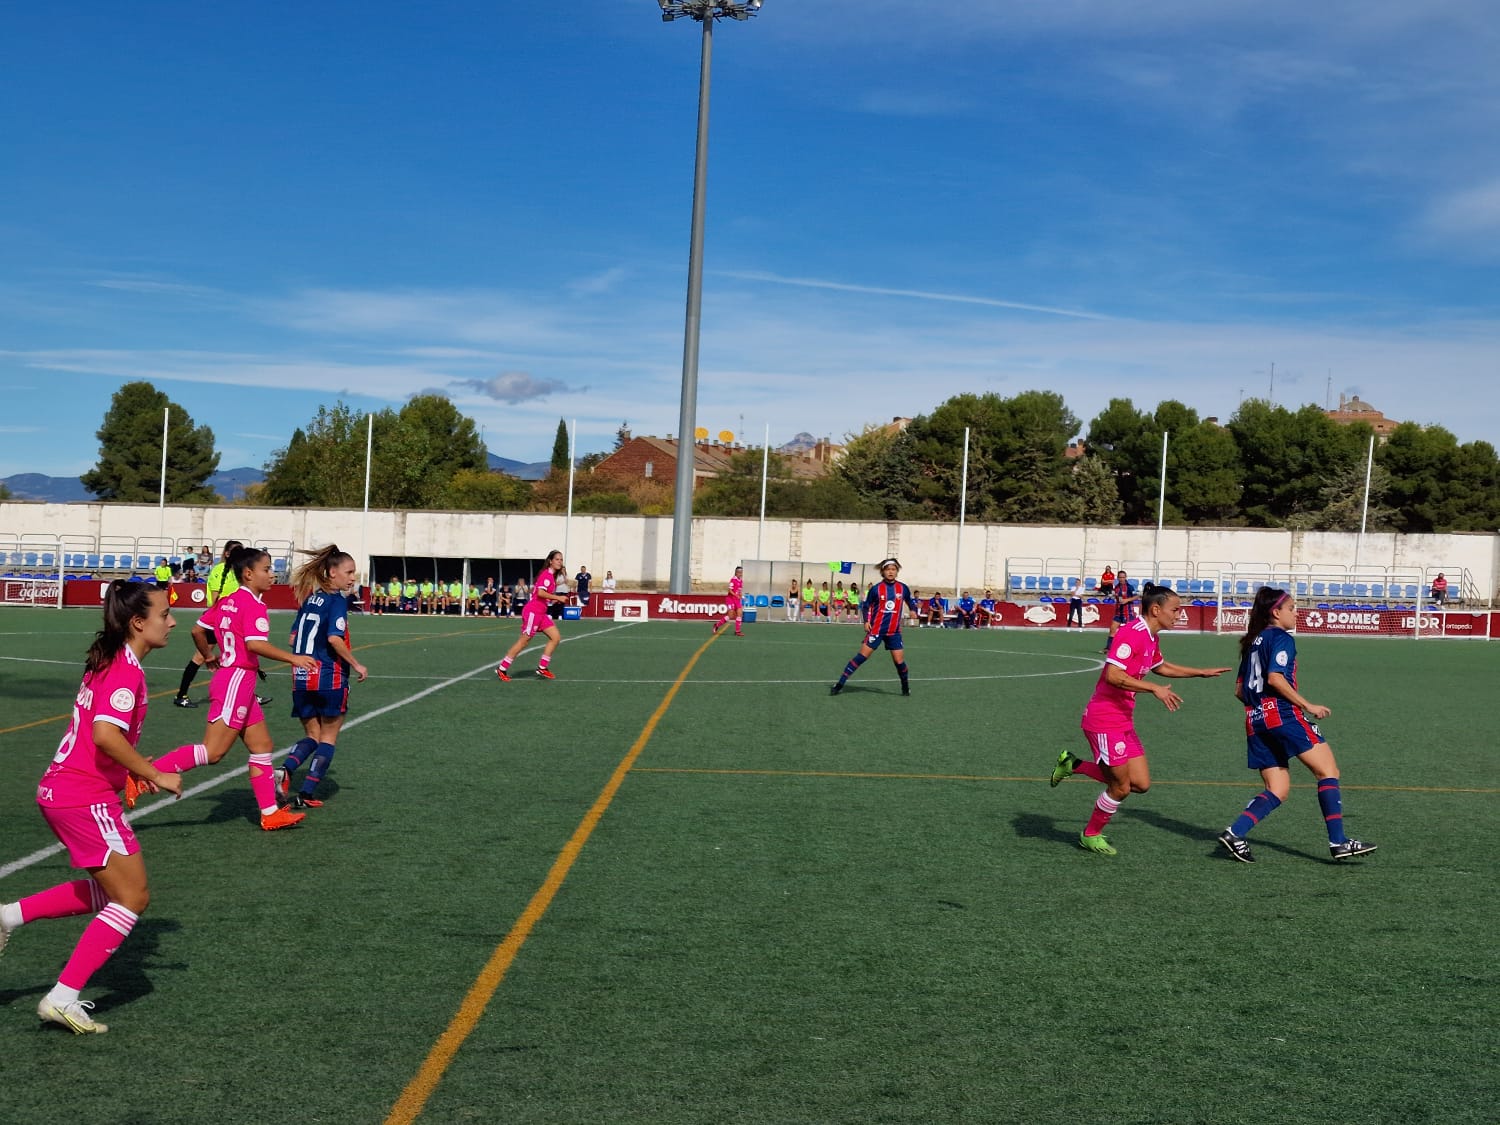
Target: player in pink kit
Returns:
[1119, 759]
[535, 619]
[733, 603]
[241, 629]
[79, 799]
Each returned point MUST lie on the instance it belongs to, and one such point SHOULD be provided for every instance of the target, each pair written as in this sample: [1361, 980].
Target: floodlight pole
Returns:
[705, 12]
[161, 504]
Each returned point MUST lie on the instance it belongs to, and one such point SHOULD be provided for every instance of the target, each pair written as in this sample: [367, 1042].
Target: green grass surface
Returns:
[797, 908]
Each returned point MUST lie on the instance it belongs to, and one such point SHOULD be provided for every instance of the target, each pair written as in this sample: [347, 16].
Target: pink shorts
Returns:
[1114, 747]
[231, 699]
[92, 833]
[534, 621]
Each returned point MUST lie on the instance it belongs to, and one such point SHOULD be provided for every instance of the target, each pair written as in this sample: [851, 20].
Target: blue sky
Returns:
[264, 208]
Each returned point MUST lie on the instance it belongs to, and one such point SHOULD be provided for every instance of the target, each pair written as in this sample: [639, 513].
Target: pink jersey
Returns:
[81, 774]
[546, 583]
[736, 586]
[1135, 651]
[235, 620]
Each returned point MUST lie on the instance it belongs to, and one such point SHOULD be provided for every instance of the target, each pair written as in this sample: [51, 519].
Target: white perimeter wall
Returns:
[638, 548]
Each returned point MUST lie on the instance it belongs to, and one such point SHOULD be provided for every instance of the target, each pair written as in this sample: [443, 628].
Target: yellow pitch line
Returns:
[985, 777]
[472, 1007]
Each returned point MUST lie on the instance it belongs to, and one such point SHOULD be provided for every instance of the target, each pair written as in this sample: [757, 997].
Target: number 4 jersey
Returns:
[322, 616]
[1273, 651]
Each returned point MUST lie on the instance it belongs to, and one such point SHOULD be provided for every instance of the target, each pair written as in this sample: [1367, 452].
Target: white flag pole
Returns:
[161, 504]
[572, 460]
[765, 467]
[1364, 511]
[364, 527]
[1161, 507]
[963, 504]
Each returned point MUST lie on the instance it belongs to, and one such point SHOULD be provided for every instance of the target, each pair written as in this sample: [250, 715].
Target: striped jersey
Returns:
[323, 615]
[883, 604]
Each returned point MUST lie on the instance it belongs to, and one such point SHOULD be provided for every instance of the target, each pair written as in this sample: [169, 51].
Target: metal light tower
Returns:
[705, 12]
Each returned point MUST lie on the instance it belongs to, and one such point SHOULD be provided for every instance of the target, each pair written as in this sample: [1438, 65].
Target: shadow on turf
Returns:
[123, 977]
[1210, 836]
[233, 803]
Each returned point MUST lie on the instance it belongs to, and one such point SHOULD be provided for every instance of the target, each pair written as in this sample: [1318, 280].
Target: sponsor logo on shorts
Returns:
[241, 712]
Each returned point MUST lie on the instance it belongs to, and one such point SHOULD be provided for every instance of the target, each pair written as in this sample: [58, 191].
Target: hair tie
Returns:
[1284, 595]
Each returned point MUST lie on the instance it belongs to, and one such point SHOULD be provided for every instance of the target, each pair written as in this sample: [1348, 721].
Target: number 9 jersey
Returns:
[323, 615]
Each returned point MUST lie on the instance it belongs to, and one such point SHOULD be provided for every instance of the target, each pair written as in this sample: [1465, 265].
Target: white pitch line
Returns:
[36, 857]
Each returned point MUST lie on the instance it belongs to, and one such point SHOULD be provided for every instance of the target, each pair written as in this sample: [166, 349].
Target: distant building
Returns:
[654, 458]
[1356, 409]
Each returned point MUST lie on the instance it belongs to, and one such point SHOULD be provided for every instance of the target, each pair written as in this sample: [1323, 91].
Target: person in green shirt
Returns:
[409, 596]
[810, 598]
[840, 601]
[455, 596]
[825, 596]
[221, 583]
[391, 598]
[426, 604]
[474, 599]
[163, 573]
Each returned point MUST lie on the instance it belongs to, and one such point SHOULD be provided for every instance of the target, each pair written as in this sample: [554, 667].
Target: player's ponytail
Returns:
[1267, 598]
[314, 575]
[124, 601]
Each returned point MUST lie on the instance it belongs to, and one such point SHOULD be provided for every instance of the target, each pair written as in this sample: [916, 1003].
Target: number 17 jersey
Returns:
[323, 615]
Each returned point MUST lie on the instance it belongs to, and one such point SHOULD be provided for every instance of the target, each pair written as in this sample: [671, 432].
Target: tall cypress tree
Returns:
[560, 448]
[129, 466]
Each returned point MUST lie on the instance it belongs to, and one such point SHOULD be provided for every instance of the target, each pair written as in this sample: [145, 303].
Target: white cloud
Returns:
[1468, 218]
[513, 386]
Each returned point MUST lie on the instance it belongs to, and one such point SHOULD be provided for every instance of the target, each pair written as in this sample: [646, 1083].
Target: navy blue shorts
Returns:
[320, 704]
[1267, 748]
[892, 641]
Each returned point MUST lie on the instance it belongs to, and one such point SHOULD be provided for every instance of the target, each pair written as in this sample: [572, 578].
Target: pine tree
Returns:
[560, 448]
[129, 466]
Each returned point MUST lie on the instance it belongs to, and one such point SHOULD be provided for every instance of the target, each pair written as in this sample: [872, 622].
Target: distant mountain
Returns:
[49, 490]
[536, 470]
[228, 483]
[802, 443]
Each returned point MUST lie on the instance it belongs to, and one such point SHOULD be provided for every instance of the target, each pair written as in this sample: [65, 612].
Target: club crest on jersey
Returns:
[263, 624]
[122, 699]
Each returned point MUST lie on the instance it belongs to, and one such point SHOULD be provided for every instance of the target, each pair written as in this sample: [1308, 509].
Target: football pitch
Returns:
[681, 883]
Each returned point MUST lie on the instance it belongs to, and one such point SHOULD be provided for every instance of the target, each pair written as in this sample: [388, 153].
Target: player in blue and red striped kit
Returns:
[886, 603]
[320, 697]
[1277, 729]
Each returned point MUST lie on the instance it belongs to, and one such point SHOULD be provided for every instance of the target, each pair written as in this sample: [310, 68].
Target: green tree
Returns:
[417, 452]
[822, 498]
[1438, 485]
[1129, 442]
[479, 490]
[1288, 456]
[1204, 474]
[1091, 496]
[5, 492]
[736, 491]
[560, 445]
[129, 466]
[880, 465]
[1343, 499]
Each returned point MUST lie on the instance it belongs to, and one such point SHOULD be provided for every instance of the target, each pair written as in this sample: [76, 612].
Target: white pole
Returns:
[765, 467]
[364, 526]
[572, 459]
[1364, 512]
[1161, 507]
[161, 529]
[963, 504]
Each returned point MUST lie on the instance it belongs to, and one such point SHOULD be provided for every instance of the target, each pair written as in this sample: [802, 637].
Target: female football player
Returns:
[1277, 729]
[1119, 759]
[320, 697]
[535, 619]
[240, 625]
[883, 610]
[79, 799]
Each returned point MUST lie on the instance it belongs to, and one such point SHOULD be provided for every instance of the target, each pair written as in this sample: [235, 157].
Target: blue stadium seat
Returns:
[1059, 583]
[748, 601]
[1091, 584]
[778, 602]
[30, 559]
[1015, 583]
[126, 562]
[1411, 592]
[1377, 590]
[1302, 589]
[1361, 590]
[91, 562]
[762, 602]
[1183, 585]
[107, 562]
[1031, 581]
[48, 559]
[1241, 587]
[1319, 589]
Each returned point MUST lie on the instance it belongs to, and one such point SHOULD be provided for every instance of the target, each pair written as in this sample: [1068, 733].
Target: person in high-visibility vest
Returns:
[221, 583]
[163, 574]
